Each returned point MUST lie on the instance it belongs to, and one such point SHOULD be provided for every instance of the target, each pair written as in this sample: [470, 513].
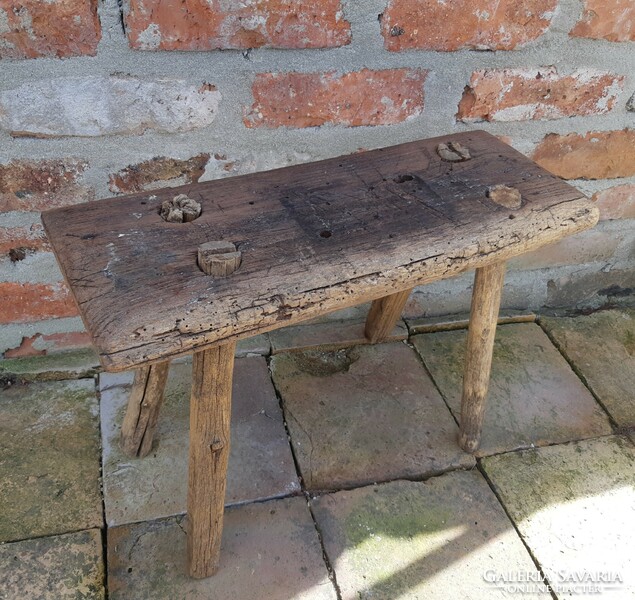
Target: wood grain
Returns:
[142, 412]
[314, 238]
[210, 414]
[383, 315]
[486, 295]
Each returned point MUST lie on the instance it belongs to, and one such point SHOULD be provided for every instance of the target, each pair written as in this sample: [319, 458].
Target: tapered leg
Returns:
[488, 284]
[383, 315]
[142, 414]
[210, 413]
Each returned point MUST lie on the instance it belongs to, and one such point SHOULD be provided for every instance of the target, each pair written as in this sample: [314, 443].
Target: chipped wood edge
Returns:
[564, 219]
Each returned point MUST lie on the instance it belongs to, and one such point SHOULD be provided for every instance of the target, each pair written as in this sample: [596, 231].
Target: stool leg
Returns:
[210, 413]
[488, 284]
[383, 315]
[142, 413]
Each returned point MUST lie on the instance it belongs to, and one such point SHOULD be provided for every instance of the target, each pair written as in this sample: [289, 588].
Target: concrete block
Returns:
[410, 540]
[365, 414]
[573, 505]
[49, 463]
[534, 397]
[260, 463]
[61, 567]
[601, 348]
[269, 550]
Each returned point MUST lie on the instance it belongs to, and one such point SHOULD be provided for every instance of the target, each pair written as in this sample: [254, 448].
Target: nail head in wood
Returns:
[181, 209]
[453, 152]
[218, 258]
[506, 196]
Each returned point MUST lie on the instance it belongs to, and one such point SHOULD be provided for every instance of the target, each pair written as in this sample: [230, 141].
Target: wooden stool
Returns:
[191, 270]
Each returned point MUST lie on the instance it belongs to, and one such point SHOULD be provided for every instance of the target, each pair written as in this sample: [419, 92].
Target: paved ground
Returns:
[345, 480]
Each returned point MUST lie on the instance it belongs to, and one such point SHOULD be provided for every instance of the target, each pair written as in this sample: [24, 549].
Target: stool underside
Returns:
[314, 238]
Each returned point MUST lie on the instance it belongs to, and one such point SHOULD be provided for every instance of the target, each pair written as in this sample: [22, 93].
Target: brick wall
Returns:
[98, 100]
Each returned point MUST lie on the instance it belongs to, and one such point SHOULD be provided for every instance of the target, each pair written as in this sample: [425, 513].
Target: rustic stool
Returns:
[191, 270]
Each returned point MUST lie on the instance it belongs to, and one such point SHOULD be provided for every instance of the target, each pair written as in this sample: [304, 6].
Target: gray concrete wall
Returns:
[596, 270]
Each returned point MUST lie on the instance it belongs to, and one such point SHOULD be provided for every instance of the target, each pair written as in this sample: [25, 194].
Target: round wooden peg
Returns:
[218, 258]
[453, 152]
[506, 196]
[180, 209]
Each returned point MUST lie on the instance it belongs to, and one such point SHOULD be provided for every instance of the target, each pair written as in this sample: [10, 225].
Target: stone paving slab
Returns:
[534, 399]
[49, 459]
[419, 540]
[269, 551]
[329, 335]
[575, 506]
[61, 567]
[601, 347]
[365, 414]
[260, 463]
[51, 367]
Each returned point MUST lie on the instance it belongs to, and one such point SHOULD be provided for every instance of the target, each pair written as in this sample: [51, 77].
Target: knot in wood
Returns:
[506, 196]
[180, 209]
[216, 445]
[218, 258]
[453, 152]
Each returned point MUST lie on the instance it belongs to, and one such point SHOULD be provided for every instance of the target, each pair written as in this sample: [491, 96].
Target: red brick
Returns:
[208, 25]
[54, 342]
[525, 94]
[24, 302]
[360, 98]
[596, 155]
[33, 28]
[612, 20]
[449, 25]
[24, 349]
[158, 172]
[31, 238]
[617, 202]
[29, 185]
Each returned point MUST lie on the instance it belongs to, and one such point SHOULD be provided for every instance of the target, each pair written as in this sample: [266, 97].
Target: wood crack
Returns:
[314, 238]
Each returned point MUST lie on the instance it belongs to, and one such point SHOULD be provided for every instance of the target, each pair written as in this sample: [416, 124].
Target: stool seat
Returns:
[314, 238]
[193, 269]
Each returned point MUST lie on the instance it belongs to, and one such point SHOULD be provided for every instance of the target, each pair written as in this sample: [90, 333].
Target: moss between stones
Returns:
[399, 516]
[531, 480]
[51, 367]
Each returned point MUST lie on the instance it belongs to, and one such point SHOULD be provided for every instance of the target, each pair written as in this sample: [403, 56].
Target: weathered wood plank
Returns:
[486, 296]
[210, 415]
[313, 238]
